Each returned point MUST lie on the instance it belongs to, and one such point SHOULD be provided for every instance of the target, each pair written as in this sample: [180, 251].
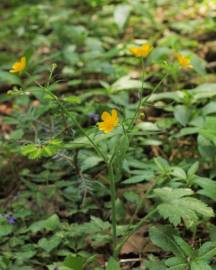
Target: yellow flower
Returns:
[109, 121]
[19, 66]
[142, 51]
[184, 61]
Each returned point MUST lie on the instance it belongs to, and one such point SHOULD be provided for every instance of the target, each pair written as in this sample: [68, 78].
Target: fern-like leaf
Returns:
[178, 205]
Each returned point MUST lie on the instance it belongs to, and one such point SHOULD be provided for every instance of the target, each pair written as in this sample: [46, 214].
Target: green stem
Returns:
[137, 227]
[79, 127]
[113, 200]
[154, 90]
[140, 98]
[145, 100]
[67, 113]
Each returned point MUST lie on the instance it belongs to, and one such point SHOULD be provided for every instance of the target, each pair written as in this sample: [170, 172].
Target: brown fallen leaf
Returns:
[136, 242]
[6, 108]
[139, 243]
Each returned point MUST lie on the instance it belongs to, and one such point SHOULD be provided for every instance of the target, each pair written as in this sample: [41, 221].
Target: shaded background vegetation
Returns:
[57, 204]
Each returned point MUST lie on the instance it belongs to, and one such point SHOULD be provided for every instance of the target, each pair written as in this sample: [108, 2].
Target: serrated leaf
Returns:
[178, 205]
[35, 151]
[207, 251]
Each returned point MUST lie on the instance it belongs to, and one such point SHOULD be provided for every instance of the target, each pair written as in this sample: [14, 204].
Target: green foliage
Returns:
[48, 244]
[35, 151]
[177, 205]
[112, 264]
[49, 224]
[121, 149]
[167, 239]
[57, 196]
[74, 263]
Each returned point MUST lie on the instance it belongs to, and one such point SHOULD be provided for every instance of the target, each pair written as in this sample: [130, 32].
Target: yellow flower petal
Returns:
[184, 61]
[101, 126]
[105, 116]
[114, 113]
[109, 121]
[19, 66]
[142, 51]
[114, 117]
[134, 51]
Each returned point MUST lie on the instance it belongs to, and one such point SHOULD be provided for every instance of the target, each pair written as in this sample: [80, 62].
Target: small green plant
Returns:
[107, 158]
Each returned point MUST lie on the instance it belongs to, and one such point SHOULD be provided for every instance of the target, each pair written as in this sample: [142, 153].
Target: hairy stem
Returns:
[67, 113]
[113, 200]
[140, 97]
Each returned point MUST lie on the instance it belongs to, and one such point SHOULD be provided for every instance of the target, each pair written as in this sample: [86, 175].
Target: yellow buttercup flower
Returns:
[184, 61]
[110, 121]
[142, 51]
[19, 66]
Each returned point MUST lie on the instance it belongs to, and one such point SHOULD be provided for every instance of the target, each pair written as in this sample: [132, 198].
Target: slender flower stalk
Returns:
[143, 101]
[68, 114]
[110, 121]
[140, 96]
[113, 201]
